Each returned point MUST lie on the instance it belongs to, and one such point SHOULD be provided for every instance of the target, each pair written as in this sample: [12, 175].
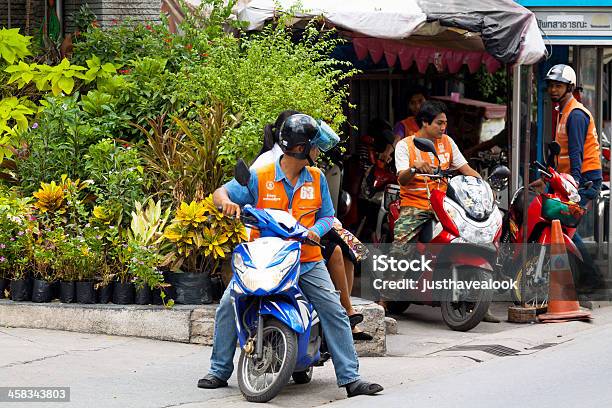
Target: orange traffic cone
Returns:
[562, 300]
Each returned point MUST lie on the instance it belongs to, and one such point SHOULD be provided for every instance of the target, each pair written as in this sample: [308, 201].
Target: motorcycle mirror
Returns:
[242, 173]
[500, 172]
[554, 148]
[426, 145]
[344, 204]
[498, 180]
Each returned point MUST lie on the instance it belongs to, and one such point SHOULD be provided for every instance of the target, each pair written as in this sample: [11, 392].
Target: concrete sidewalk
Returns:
[112, 371]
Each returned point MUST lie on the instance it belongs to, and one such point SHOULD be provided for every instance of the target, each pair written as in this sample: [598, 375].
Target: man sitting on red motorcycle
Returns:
[412, 163]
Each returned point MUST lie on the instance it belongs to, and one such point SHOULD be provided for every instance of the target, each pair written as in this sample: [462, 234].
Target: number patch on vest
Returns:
[307, 193]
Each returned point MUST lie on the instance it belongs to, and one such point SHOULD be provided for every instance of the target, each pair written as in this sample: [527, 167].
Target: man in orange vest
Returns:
[290, 184]
[414, 188]
[409, 126]
[580, 154]
[409, 161]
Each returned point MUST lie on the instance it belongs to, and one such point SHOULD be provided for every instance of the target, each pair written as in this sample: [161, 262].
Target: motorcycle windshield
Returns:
[473, 194]
[275, 223]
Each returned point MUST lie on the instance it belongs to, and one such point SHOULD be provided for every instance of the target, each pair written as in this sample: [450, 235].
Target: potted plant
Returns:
[106, 219]
[201, 238]
[16, 244]
[62, 212]
[145, 238]
[142, 264]
[42, 261]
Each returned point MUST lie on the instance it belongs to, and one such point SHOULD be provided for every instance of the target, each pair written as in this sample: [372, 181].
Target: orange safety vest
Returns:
[590, 159]
[410, 126]
[272, 194]
[416, 193]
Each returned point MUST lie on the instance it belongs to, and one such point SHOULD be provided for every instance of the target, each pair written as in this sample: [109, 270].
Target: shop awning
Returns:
[505, 30]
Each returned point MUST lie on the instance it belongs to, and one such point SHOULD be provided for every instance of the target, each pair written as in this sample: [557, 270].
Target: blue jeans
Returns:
[319, 289]
[590, 271]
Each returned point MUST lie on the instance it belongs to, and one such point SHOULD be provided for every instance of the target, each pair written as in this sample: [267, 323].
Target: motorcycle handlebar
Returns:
[250, 222]
[536, 165]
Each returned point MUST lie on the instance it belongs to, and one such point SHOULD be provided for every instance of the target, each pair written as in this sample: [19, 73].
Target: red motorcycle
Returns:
[561, 203]
[467, 228]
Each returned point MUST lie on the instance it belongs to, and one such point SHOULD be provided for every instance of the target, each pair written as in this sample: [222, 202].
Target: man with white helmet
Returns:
[577, 136]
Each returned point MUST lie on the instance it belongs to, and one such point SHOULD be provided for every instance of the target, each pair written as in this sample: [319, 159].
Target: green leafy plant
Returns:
[13, 122]
[58, 144]
[148, 223]
[201, 237]
[13, 46]
[84, 19]
[184, 160]
[16, 239]
[62, 205]
[118, 176]
[266, 73]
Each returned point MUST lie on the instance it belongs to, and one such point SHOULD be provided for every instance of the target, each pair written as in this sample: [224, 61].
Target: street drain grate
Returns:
[495, 349]
[542, 346]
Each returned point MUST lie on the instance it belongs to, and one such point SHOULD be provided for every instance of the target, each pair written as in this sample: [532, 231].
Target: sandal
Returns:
[211, 382]
[355, 319]
[361, 335]
[361, 387]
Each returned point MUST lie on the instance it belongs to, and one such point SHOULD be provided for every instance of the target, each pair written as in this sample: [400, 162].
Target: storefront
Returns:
[578, 34]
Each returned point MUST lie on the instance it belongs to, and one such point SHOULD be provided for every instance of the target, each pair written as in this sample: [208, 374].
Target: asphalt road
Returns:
[419, 371]
[576, 373]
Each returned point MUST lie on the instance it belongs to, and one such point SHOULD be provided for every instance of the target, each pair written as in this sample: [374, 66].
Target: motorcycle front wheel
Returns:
[467, 313]
[263, 378]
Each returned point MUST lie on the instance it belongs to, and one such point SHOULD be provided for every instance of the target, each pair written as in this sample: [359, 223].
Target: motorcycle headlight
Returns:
[263, 278]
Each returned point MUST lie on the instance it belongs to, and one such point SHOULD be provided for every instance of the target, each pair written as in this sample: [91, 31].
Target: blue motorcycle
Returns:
[278, 329]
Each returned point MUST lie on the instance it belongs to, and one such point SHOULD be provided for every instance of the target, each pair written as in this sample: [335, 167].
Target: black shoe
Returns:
[355, 319]
[211, 382]
[361, 387]
[362, 336]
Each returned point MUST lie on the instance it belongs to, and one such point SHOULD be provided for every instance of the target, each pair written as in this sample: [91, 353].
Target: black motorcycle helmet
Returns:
[298, 130]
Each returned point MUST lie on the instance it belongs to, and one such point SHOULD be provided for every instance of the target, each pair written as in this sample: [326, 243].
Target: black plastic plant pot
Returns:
[20, 290]
[123, 293]
[105, 293]
[192, 288]
[85, 292]
[156, 298]
[143, 295]
[3, 286]
[41, 291]
[67, 292]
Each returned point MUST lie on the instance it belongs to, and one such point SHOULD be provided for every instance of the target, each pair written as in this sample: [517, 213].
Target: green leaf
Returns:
[66, 84]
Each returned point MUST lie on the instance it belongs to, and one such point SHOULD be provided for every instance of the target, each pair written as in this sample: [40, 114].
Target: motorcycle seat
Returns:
[426, 233]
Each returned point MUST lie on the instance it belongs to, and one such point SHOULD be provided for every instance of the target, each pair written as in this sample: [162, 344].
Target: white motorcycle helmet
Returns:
[562, 73]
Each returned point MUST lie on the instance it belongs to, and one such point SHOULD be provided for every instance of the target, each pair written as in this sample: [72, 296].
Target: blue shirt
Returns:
[577, 127]
[242, 195]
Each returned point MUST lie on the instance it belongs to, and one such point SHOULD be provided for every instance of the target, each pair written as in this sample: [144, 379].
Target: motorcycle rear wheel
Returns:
[262, 380]
[465, 315]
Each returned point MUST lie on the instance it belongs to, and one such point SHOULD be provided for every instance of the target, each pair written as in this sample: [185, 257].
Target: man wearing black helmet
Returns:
[291, 185]
[580, 155]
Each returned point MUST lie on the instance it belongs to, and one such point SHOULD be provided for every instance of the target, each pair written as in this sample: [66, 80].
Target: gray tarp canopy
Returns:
[506, 30]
